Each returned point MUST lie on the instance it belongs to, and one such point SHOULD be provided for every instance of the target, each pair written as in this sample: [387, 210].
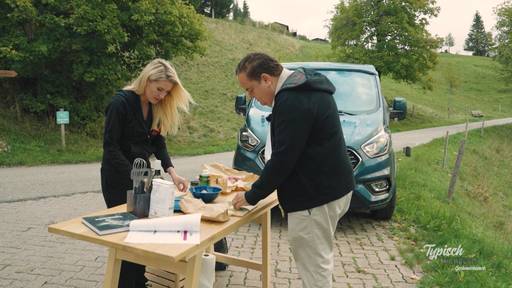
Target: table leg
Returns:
[193, 271]
[266, 236]
[113, 270]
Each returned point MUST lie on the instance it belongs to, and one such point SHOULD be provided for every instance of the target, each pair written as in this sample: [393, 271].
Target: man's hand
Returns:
[239, 200]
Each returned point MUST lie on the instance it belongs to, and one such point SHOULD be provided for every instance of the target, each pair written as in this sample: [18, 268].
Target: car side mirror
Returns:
[241, 105]
[393, 114]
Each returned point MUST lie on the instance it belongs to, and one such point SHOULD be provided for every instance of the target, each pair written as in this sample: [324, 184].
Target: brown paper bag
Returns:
[217, 212]
[229, 179]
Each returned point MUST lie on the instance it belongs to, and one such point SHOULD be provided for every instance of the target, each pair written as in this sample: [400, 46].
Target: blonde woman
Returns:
[136, 121]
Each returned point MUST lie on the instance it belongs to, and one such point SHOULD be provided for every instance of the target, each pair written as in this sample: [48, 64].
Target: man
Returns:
[309, 165]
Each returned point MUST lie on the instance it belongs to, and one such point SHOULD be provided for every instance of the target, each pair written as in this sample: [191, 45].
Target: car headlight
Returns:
[247, 139]
[378, 145]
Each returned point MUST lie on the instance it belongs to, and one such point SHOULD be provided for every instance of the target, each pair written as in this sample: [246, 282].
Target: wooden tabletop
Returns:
[211, 232]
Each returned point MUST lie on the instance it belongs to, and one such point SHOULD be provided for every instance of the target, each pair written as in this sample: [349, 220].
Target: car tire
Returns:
[387, 212]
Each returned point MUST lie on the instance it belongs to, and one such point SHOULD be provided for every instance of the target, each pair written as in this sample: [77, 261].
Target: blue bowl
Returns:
[205, 193]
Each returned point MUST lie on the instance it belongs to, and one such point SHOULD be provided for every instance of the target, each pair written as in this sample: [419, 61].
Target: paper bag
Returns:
[229, 179]
[217, 212]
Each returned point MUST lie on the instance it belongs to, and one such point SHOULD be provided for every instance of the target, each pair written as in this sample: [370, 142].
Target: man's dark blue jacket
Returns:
[309, 166]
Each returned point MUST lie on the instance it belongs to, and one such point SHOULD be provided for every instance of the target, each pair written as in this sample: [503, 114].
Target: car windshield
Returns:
[356, 92]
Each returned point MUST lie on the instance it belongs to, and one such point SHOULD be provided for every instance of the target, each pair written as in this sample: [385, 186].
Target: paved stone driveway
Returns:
[366, 256]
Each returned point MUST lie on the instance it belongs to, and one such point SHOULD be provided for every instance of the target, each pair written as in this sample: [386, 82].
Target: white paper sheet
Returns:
[183, 229]
[176, 237]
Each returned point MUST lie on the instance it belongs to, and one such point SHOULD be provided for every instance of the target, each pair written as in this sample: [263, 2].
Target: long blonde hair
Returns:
[166, 116]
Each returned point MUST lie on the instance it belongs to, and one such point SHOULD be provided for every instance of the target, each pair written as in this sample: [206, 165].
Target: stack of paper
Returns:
[183, 229]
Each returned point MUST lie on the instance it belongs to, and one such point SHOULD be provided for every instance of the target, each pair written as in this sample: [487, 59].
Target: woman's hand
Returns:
[180, 182]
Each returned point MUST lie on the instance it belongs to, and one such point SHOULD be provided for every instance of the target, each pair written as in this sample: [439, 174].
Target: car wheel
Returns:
[387, 212]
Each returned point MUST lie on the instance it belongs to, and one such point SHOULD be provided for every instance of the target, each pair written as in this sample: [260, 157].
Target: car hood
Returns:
[357, 129]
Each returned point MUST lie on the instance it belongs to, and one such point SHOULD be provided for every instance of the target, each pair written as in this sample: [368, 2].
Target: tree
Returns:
[449, 41]
[215, 8]
[504, 38]
[246, 15]
[477, 40]
[74, 54]
[195, 3]
[237, 12]
[491, 43]
[439, 44]
[390, 34]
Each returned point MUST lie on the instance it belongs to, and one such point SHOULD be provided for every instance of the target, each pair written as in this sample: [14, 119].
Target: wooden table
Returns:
[183, 259]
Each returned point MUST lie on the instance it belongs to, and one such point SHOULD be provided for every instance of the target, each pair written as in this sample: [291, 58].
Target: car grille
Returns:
[354, 158]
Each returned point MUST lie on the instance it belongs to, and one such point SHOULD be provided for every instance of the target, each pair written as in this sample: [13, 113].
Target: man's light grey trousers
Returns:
[311, 236]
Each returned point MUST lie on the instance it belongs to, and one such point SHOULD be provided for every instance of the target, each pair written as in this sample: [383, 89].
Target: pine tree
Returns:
[237, 12]
[246, 15]
[477, 40]
[213, 8]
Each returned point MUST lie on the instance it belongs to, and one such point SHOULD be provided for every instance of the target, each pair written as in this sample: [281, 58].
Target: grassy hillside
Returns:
[477, 219]
[212, 125]
[462, 83]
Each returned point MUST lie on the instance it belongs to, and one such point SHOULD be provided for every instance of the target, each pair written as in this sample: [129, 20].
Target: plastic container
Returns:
[141, 205]
[130, 202]
[204, 178]
[177, 207]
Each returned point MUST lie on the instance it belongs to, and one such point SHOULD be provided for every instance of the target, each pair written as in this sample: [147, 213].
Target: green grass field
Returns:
[462, 83]
[478, 217]
[212, 125]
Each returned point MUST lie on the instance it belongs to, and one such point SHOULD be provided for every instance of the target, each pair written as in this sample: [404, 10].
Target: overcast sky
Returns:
[309, 17]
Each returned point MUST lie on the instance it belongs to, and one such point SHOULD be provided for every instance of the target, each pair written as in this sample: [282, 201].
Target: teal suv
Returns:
[364, 117]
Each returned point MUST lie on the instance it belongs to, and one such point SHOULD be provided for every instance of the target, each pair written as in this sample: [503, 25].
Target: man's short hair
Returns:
[255, 64]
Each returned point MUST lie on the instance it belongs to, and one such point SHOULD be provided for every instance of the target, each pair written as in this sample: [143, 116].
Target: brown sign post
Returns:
[12, 74]
[8, 73]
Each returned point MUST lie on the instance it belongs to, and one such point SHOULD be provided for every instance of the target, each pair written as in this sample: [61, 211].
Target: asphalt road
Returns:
[26, 183]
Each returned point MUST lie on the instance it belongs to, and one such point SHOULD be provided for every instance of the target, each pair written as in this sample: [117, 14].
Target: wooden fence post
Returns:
[458, 163]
